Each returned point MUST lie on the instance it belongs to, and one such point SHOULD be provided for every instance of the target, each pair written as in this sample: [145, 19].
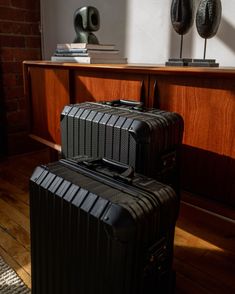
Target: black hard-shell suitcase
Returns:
[149, 140]
[96, 228]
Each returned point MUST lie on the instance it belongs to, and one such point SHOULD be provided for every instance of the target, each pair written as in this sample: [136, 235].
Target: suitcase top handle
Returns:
[137, 105]
[122, 172]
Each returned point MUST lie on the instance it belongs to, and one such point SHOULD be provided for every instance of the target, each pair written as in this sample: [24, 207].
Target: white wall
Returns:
[140, 29]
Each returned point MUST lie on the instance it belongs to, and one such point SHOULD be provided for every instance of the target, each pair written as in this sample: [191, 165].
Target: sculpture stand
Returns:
[179, 61]
[204, 62]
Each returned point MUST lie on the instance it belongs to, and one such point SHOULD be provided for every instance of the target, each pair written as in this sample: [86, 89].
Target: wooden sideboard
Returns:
[205, 97]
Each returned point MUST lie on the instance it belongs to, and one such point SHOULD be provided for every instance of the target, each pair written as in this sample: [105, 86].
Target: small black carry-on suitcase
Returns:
[149, 140]
[99, 228]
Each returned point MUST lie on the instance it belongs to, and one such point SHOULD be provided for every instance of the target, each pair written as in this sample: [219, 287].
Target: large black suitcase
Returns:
[149, 140]
[97, 228]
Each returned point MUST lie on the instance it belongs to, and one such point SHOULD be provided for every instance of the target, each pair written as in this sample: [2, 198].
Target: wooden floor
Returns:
[204, 243]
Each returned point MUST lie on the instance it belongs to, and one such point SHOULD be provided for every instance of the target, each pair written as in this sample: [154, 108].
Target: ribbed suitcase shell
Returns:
[148, 140]
[93, 234]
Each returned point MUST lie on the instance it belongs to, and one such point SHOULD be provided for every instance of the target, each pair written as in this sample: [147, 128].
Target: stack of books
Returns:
[87, 53]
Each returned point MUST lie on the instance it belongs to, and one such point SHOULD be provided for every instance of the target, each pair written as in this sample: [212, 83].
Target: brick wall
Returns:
[19, 40]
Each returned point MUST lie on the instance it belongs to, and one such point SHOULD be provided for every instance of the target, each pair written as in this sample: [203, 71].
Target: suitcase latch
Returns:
[156, 259]
[168, 160]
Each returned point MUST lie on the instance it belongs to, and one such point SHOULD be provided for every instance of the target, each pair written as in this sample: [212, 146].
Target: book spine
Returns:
[85, 60]
[72, 46]
[86, 46]
[92, 55]
[68, 51]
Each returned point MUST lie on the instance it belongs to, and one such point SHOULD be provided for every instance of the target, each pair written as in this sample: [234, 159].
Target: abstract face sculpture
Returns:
[86, 21]
[182, 15]
[208, 18]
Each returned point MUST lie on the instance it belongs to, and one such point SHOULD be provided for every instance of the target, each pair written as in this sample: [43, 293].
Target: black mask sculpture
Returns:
[207, 22]
[86, 21]
[208, 18]
[182, 16]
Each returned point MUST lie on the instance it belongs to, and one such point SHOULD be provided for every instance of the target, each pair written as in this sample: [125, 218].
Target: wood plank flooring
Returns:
[204, 242]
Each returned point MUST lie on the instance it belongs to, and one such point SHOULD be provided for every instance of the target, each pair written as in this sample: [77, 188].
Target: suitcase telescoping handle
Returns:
[137, 105]
[122, 172]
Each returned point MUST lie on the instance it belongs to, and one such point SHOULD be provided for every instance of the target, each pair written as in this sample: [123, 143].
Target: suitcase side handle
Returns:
[124, 172]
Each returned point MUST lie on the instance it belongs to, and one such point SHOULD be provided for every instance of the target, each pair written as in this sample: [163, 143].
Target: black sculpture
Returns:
[207, 22]
[182, 15]
[86, 21]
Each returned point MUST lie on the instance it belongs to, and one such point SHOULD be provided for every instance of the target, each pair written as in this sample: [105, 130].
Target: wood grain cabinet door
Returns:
[48, 93]
[208, 108]
[108, 85]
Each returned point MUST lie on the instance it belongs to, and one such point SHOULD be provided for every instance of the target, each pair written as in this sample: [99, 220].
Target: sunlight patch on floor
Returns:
[186, 239]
